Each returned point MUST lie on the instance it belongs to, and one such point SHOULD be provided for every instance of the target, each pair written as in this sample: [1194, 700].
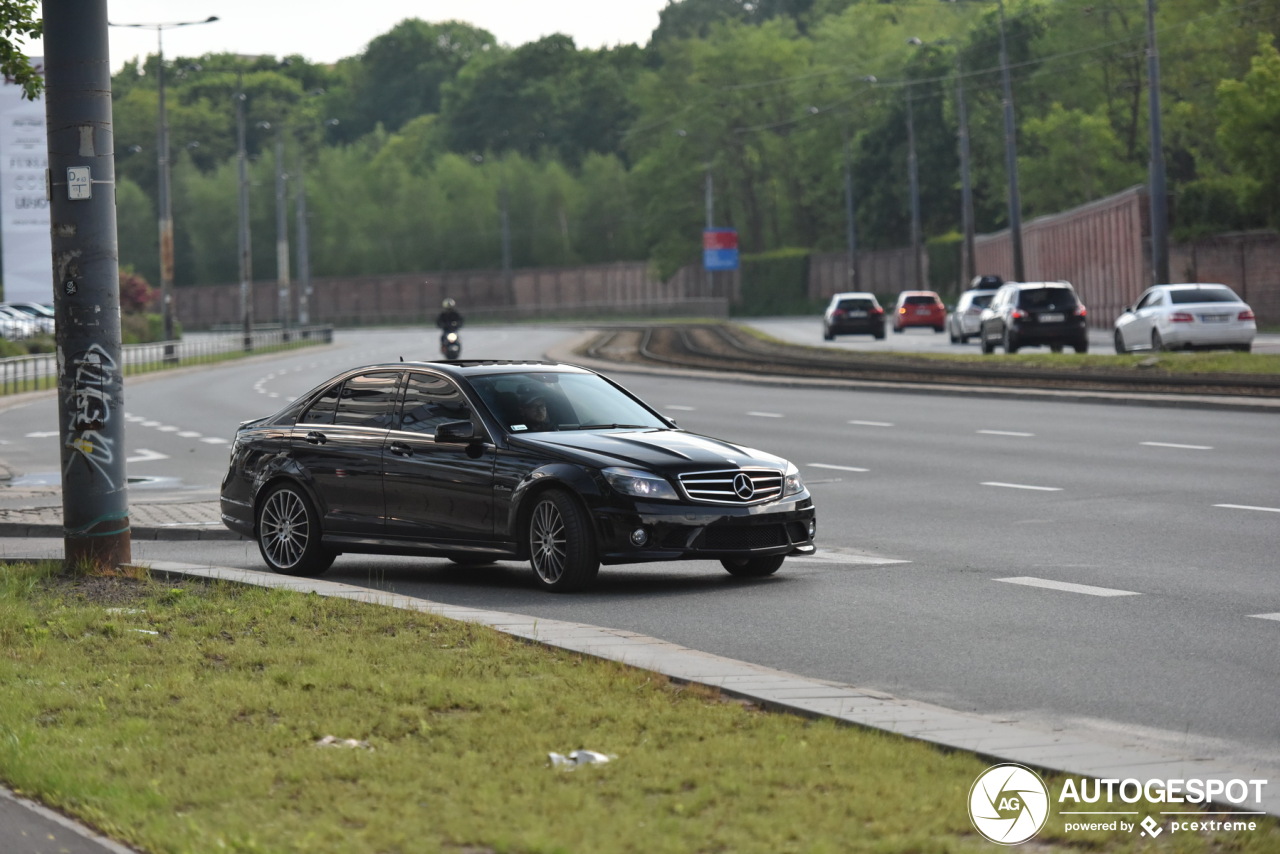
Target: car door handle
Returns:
[315, 437]
[400, 449]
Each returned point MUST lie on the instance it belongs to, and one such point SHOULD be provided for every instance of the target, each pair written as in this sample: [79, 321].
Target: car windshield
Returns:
[1183, 296]
[1047, 297]
[571, 402]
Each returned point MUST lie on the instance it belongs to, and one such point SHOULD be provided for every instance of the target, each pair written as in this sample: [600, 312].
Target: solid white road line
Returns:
[767, 414]
[872, 423]
[1067, 586]
[1275, 617]
[1248, 507]
[1174, 445]
[1003, 433]
[681, 408]
[835, 468]
[1023, 486]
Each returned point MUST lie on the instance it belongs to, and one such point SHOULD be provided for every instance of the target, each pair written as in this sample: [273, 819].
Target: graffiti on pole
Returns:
[89, 410]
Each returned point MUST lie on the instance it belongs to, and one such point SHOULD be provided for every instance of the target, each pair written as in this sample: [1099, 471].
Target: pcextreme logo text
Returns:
[1010, 804]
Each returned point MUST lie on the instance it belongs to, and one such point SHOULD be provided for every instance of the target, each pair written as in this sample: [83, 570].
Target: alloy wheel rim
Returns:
[284, 529]
[548, 543]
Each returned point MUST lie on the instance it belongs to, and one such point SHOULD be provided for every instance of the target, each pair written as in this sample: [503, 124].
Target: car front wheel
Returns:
[752, 567]
[561, 548]
[1120, 343]
[289, 533]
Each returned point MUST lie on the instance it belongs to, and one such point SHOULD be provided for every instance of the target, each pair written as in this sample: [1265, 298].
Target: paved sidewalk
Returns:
[168, 520]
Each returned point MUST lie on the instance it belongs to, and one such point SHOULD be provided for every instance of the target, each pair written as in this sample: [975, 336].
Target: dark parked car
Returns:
[481, 461]
[1027, 314]
[853, 313]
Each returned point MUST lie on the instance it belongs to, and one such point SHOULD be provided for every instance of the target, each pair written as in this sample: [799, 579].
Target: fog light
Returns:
[813, 528]
[639, 537]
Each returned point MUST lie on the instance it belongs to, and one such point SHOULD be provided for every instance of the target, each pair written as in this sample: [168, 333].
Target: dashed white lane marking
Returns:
[167, 428]
[150, 423]
[766, 414]
[871, 423]
[1175, 445]
[142, 455]
[43, 434]
[835, 468]
[1004, 433]
[189, 434]
[682, 408]
[1275, 617]
[1067, 586]
[1023, 486]
[1248, 507]
[846, 557]
[212, 441]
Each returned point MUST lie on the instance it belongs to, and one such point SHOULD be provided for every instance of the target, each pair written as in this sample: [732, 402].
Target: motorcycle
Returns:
[450, 345]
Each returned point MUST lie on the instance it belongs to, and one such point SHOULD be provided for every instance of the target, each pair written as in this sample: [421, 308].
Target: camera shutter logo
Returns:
[1008, 804]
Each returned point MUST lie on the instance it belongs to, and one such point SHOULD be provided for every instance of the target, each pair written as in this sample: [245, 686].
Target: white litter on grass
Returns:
[577, 758]
[334, 741]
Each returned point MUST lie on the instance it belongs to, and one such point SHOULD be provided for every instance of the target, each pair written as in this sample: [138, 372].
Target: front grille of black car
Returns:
[742, 537]
[733, 486]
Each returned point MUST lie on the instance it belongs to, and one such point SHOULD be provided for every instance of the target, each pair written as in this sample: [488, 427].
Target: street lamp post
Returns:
[913, 180]
[246, 260]
[1156, 191]
[164, 200]
[966, 186]
[282, 237]
[1011, 158]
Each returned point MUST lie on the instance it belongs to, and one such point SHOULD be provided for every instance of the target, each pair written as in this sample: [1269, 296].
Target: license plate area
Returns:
[1052, 318]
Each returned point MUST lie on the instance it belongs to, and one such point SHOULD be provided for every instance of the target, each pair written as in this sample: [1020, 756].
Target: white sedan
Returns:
[1171, 317]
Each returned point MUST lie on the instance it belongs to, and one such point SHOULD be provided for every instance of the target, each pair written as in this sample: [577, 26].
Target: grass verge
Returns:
[180, 716]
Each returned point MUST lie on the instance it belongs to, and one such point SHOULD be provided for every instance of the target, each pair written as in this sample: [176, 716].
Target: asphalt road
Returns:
[1108, 568]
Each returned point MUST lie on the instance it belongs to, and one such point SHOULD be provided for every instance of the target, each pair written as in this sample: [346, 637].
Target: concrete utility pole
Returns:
[86, 283]
[1159, 200]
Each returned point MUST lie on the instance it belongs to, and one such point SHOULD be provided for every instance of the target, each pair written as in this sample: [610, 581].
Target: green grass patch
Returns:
[182, 716]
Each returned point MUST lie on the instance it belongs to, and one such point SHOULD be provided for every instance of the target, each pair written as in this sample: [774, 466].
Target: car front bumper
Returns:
[683, 531]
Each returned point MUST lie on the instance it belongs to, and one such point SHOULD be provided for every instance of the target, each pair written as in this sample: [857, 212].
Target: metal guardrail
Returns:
[40, 371]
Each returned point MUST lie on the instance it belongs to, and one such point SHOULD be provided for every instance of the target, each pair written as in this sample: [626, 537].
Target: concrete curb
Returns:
[988, 738]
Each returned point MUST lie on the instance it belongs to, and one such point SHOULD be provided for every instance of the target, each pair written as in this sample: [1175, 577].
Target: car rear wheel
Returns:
[1157, 341]
[561, 548]
[1081, 346]
[289, 533]
[752, 567]
[827, 336]
[987, 347]
[1120, 343]
[1010, 343]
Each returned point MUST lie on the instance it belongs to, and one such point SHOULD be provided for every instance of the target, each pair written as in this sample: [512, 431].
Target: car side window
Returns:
[430, 401]
[368, 400]
[321, 412]
[1150, 299]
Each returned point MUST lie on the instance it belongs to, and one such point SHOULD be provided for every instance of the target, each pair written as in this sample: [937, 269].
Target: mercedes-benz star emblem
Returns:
[743, 486]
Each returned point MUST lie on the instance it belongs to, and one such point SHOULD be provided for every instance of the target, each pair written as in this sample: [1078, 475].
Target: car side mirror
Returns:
[456, 433]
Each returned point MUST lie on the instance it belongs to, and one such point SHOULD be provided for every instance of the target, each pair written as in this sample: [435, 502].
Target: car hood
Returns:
[656, 450]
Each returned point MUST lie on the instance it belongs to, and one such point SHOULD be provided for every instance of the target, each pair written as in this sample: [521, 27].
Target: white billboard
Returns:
[24, 208]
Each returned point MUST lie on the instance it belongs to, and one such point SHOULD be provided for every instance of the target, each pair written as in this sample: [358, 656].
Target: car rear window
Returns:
[1046, 297]
[921, 300]
[855, 305]
[1189, 295]
[981, 300]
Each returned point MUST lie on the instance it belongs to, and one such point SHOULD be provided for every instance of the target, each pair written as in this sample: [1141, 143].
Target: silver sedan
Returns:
[1189, 316]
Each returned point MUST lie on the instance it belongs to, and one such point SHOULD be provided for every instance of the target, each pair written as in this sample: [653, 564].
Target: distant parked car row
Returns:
[24, 319]
[1013, 315]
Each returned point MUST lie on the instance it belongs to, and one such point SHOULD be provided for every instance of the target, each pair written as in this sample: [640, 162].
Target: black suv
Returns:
[1024, 314]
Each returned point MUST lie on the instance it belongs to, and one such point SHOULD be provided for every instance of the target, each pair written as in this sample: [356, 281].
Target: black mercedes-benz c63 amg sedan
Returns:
[482, 461]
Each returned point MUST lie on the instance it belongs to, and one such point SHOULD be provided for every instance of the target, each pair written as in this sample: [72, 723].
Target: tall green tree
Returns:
[18, 21]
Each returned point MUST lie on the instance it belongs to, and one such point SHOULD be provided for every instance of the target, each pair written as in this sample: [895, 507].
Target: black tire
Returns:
[879, 334]
[1120, 343]
[939, 329]
[752, 567]
[1055, 348]
[1010, 343]
[897, 329]
[827, 336]
[962, 338]
[289, 533]
[987, 347]
[1081, 346]
[562, 550]
[1157, 342]
[1245, 348]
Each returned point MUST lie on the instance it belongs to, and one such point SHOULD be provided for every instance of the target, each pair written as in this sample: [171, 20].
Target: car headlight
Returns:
[791, 482]
[639, 484]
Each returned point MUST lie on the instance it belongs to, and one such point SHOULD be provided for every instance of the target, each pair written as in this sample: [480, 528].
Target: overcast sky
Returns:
[326, 30]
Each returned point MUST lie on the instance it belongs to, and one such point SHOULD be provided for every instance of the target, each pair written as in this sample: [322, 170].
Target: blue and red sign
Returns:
[720, 249]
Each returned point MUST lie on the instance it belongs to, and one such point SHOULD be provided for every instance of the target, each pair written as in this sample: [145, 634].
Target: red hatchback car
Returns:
[919, 308]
